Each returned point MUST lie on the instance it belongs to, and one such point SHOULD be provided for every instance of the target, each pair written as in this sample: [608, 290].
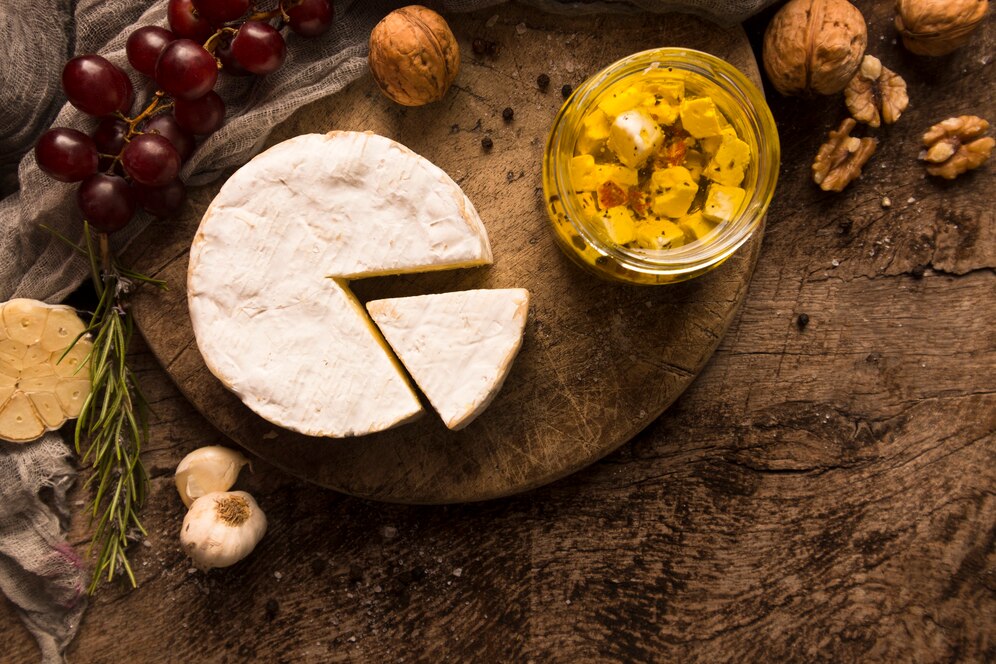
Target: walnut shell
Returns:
[814, 46]
[937, 27]
[414, 56]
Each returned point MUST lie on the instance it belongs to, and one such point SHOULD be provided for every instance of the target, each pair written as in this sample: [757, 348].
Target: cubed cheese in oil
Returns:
[586, 175]
[695, 163]
[700, 118]
[594, 131]
[695, 225]
[588, 206]
[672, 191]
[729, 162]
[620, 225]
[621, 101]
[659, 109]
[671, 92]
[711, 144]
[633, 137]
[656, 233]
[722, 202]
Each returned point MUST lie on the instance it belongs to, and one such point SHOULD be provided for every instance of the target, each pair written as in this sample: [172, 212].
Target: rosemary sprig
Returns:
[113, 425]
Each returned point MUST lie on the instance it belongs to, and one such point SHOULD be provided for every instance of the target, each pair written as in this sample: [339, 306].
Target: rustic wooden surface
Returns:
[599, 361]
[824, 494]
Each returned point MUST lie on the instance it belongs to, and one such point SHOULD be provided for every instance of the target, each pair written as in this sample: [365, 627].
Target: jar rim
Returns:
[754, 112]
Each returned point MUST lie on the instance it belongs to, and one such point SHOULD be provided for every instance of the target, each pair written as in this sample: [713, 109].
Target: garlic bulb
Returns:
[222, 528]
[208, 469]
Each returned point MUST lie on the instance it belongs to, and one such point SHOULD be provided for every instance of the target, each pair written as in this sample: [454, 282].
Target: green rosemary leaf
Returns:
[113, 425]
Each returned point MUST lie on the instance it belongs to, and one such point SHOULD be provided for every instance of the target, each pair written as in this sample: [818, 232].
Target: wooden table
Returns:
[824, 493]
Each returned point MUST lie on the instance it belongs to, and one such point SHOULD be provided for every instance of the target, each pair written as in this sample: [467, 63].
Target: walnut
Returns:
[840, 159]
[937, 27]
[875, 87]
[414, 56]
[956, 145]
[814, 46]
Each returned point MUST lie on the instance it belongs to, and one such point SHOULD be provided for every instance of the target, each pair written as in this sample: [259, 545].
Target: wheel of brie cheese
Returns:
[267, 284]
[457, 346]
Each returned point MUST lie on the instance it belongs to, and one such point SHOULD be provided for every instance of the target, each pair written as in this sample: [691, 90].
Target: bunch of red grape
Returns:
[131, 161]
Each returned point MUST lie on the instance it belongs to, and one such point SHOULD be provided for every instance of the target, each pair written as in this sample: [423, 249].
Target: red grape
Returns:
[185, 70]
[144, 46]
[151, 159]
[217, 12]
[66, 154]
[109, 137]
[106, 201]
[95, 86]
[309, 18]
[166, 125]
[162, 201]
[259, 48]
[185, 23]
[223, 51]
[200, 116]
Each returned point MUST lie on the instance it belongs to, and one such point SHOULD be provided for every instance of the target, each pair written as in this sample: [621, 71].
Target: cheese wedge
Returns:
[457, 346]
[267, 283]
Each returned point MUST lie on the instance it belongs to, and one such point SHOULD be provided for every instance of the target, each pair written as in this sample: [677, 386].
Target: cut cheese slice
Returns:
[457, 346]
[267, 292]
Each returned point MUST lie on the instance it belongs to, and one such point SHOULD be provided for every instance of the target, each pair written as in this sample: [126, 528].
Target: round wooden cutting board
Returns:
[599, 361]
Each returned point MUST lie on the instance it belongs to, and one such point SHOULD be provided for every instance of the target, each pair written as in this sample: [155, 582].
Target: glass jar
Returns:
[703, 75]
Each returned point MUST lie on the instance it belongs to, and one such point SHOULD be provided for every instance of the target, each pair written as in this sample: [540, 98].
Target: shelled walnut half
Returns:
[956, 145]
[876, 94]
[841, 158]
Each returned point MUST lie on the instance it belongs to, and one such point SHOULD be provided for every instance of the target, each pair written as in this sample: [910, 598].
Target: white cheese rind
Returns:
[457, 346]
[271, 311]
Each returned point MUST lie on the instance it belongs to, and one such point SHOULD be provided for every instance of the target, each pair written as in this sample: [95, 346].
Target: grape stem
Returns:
[212, 42]
[149, 110]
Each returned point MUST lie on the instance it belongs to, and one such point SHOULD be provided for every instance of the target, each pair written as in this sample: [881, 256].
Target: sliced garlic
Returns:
[39, 388]
[222, 528]
[207, 470]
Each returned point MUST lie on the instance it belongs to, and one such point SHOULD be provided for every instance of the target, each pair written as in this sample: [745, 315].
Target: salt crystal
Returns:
[911, 200]
[389, 532]
[278, 576]
[192, 570]
[886, 202]
[520, 29]
[458, 572]
[352, 639]
[835, 262]
[491, 21]
[378, 588]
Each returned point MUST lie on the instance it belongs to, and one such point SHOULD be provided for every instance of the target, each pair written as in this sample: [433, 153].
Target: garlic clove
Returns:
[206, 470]
[222, 528]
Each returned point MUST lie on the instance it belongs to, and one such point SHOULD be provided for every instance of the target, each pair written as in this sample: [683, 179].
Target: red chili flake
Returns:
[676, 152]
[638, 201]
[610, 195]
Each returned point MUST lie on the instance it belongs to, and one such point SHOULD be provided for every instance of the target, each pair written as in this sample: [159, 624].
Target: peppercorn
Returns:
[543, 82]
[566, 91]
[487, 143]
[507, 114]
[802, 321]
[485, 47]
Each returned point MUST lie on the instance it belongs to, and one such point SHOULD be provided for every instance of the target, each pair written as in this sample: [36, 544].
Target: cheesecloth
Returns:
[39, 572]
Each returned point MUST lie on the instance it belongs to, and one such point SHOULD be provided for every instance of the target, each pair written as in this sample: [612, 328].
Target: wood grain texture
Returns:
[599, 361]
[816, 495]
